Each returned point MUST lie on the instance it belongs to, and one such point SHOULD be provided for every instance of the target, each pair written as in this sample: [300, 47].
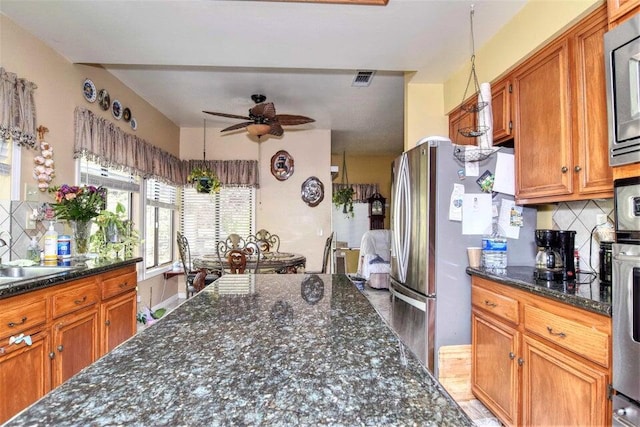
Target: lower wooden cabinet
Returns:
[537, 361]
[70, 325]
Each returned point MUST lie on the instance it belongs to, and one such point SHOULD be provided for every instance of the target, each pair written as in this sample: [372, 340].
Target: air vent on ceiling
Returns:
[363, 78]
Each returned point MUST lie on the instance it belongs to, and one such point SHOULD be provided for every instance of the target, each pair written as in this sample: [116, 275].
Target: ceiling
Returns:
[186, 56]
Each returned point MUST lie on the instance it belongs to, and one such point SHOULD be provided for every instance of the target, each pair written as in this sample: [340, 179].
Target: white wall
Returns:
[280, 209]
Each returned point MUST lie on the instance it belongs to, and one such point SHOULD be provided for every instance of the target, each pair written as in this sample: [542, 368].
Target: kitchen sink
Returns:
[14, 272]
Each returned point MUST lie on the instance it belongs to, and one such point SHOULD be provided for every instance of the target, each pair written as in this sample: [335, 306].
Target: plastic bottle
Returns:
[50, 245]
[494, 251]
[33, 251]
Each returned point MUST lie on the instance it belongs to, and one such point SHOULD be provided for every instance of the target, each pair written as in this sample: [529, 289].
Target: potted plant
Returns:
[115, 233]
[205, 180]
[344, 197]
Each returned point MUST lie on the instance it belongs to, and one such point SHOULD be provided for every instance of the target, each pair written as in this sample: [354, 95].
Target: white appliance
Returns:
[430, 289]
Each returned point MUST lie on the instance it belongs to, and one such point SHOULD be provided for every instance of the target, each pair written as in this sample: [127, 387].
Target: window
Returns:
[209, 218]
[161, 203]
[121, 186]
[349, 229]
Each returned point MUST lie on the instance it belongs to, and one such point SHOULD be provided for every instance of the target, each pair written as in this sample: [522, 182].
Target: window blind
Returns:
[209, 218]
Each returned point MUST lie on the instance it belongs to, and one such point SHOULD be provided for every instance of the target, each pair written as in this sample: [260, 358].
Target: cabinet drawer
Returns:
[74, 298]
[15, 318]
[575, 336]
[497, 304]
[119, 284]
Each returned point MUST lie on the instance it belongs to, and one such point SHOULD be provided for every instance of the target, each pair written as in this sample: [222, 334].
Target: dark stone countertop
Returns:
[294, 350]
[586, 292]
[80, 269]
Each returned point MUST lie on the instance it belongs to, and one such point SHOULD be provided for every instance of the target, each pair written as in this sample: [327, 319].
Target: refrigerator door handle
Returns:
[402, 210]
[420, 305]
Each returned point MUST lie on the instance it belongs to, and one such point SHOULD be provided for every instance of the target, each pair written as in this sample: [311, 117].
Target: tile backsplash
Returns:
[581, 217]
[13, 220]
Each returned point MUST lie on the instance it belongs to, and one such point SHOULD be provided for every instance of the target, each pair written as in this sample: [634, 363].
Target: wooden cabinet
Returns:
[70, 326]
[621, 10]
[459, 119]
[501, 111]
[537, 361]
[561, 149]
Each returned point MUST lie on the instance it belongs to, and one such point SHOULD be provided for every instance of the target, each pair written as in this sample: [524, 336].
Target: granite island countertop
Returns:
[257, 350]
[77, 270]
[585, 292]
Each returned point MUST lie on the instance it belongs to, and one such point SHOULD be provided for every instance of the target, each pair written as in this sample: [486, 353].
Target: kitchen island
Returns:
[257, 350]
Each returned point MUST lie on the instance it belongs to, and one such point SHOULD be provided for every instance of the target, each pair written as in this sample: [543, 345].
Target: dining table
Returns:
[269, 262]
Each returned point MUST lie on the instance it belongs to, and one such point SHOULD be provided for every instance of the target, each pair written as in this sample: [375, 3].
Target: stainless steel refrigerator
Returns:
[430, 290]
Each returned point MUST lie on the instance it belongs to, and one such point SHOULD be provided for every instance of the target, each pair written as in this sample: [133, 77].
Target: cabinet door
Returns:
[494, 372]
[25, 373]
[619, 8]
[593, 174]
[75, 344]
[460, 119]
[561, 390]
[501, 111]
[118, 321]
[543, 124]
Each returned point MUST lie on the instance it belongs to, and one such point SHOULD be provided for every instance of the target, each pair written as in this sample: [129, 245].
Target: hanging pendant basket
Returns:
[473, 131]
[471, 153]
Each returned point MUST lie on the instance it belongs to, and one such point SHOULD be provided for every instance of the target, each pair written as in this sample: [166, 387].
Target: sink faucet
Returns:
[4, 242]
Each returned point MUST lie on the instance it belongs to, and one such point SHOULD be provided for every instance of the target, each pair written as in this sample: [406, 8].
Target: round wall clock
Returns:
[282, 165]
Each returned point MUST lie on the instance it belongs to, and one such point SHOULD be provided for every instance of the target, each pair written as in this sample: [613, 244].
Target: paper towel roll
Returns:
[485, 117]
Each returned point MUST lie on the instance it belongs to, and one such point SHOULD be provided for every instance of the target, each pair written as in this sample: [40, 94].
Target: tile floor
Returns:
[381, 301]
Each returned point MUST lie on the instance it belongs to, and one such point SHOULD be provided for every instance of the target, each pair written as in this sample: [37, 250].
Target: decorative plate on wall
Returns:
[312, 191]
[282, 165]
[104, 99]
[126, 114]
[133, 123]
[116, 109]
[89, 90]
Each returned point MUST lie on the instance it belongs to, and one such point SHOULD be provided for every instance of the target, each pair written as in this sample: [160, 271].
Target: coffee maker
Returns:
[554, 260]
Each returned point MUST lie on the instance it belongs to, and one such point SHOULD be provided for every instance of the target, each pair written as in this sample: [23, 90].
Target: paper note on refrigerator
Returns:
[504, 176]
[455, 203]
[510, 218]
[476, 213]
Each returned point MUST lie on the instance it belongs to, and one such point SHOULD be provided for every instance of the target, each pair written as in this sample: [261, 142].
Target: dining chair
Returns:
[325, 256]
[189, 272]
[236, 255]
[266, 241]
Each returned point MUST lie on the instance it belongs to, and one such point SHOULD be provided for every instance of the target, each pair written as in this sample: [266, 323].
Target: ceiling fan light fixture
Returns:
[258, 129]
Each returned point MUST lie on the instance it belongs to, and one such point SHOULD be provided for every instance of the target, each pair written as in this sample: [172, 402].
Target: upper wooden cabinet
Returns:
[621, 10]
[560, 118]
[461, 119]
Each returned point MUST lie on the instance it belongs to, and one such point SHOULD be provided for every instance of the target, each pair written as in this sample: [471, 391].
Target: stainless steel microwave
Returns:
[622, 65]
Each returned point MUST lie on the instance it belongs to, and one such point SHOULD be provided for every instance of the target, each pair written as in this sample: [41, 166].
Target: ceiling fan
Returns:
[262, 119]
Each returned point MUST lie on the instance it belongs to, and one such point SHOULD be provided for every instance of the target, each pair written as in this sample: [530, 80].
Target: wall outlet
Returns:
[29, 223]
[601, 219]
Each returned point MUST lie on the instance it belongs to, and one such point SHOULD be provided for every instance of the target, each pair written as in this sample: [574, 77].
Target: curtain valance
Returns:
[362, 192]
[17, 110]
[103, 142]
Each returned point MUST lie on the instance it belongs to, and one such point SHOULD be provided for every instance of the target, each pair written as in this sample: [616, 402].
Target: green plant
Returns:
[344, 197]
[115, 233]
[76, 203]
[205, 180]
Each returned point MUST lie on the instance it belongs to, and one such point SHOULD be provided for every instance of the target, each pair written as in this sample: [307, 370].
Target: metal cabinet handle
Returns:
[557, 334]
[52, 355]
[123, 285]
[577, 169]
[520, 361]
[80, 301]
[489, 303]
[14, 324]
[564, 169]
[512, 355]
[107, 322]
[60, 348]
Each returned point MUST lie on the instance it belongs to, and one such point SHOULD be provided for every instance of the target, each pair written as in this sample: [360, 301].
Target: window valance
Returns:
[17, 110]
[362, 192]
[103, 142]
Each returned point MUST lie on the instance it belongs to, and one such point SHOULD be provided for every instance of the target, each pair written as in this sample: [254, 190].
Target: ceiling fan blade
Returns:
[290, 120]
[276, 129]
[266, 110]
[237, 126]
[230, 116]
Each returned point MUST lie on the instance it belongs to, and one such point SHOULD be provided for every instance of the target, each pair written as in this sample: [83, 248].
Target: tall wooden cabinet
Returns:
[537, 361]
[561, 148]
[70, 326]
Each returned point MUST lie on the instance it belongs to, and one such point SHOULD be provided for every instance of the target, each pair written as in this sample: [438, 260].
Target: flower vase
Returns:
[81, 235]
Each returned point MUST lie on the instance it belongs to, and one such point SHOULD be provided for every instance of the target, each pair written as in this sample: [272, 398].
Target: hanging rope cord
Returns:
[473, 74]
[344, 168]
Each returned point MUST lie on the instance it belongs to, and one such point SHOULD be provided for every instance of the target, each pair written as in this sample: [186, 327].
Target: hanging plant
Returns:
[344, 197]
[205, 180]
